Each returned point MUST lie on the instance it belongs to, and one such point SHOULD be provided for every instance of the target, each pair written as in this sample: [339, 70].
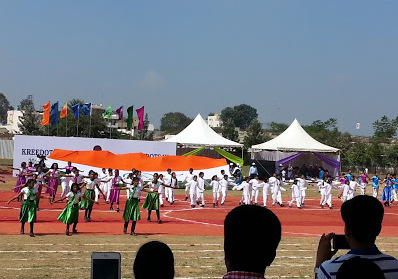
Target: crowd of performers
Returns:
[83, 191]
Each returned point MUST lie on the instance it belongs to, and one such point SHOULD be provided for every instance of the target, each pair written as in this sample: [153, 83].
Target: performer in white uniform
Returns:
[301, 185]
[108, 182]
[224, 188]
[216, 190]
[174, 184]
[187, 179]
[266, 187]
[296, 195]
[200, 189]
[66, 181]
[276, 192]
[167, 191]
[353, 185]
[103, 185]
[255, 189]
[193, 184]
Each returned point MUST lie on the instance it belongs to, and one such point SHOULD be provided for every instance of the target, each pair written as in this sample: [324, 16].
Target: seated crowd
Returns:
[362, 216]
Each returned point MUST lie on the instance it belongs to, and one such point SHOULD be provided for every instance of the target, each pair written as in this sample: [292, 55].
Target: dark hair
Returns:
[168, 169]
[358, 267]
[75, 185]
[136, 179]
[201, 173]
[214, 177]
[53, 165]
[363, 216]
[143, 264]
[66, 171]
[251, 220]
[191, 169]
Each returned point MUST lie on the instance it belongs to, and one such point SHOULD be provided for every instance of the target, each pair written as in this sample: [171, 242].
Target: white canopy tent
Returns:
[198, 134]
[291, 142]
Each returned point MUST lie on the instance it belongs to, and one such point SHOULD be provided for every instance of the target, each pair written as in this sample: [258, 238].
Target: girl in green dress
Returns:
[28, 206]
[70, 214]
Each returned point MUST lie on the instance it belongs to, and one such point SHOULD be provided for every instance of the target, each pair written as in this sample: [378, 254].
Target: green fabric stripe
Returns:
[229, 156]
[194, 152]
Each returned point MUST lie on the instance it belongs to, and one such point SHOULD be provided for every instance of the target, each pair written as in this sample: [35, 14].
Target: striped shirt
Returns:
[388, 264]
[242, 275]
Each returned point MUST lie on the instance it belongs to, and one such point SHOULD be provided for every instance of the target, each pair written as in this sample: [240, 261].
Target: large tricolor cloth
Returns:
[96, 160]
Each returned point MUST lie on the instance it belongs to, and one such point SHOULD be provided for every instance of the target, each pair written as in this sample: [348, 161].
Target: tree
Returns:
[30, 121]
[278, 127]
[254, 134]
[241, 116]
[174, 122]
[229, 132]
[385, 128]
[4, 107]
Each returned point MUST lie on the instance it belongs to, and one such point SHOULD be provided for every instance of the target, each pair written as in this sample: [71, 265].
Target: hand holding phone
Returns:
[105, 265]
[339, 242]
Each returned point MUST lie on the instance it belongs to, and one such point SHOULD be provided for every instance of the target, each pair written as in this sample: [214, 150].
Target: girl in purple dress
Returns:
[53, 176]
[115, 190]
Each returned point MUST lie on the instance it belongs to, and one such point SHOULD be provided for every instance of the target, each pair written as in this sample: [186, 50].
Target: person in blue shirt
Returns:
[394, 189]
[386, 195]
[253, 171]
[321, 173]
[349, 174]
[375, 185]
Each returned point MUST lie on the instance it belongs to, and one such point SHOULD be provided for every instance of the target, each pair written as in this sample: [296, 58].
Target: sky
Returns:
[306, 59]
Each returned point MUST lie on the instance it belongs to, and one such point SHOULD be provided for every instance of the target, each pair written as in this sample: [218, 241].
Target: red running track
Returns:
[180, 219]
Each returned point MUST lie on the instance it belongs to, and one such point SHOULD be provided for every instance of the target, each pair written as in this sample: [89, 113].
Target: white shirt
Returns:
[201, 184]
[254, 183]
[189, 177]
[295, 191]
[272, 181]
[216, 186]
[301, 183]
[156, 185]
[90, 184]
[135, 191]
[224, 183]
[173, 182]
[194, 184]
[25, 192]
[77, 196]
[167, 179]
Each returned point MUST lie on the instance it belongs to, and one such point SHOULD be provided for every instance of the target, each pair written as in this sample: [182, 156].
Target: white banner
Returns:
[26, 148]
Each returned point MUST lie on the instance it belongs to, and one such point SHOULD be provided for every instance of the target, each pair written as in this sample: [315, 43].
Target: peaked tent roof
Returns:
[198, 133]
[294, 138]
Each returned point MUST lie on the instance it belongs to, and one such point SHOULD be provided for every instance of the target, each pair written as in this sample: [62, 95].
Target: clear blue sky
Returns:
[306, 59]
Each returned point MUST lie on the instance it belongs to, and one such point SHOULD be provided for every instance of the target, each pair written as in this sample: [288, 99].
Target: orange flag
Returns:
[64, 111]
[46, 114]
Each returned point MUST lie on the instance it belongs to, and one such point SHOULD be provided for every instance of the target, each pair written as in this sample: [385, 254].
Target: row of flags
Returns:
[51, 114]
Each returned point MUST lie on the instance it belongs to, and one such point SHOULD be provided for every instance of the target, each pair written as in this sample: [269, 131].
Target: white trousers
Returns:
[224, 193]
[265, 194]
[363, 188]
[96, 193]
[161, 194]
[375, 192]
[296, 200]
[216, 196]
[327, 200]
[193, 197]
[276, 196]
[187, 188]
[170, 194]
[65, 188]
[201, 197]
[302, 196]
[394, 195]
[255, 195]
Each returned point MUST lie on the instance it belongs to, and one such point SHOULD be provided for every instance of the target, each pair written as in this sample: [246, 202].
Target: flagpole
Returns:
[89, 128]
[77, 127]
[66, 130]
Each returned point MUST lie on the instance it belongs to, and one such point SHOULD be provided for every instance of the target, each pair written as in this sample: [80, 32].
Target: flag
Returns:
[54, 114]
[46, 114]
[75, 109]
[119, 112]
[64, 111]
[358, 126]
[108, 112]
[86, 109]
[140, 114]
[130, 112]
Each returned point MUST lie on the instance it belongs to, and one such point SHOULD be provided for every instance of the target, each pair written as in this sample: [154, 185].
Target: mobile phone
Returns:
[339, 242]
[105, 265]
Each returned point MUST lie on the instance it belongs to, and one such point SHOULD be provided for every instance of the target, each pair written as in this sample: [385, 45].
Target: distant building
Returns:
[214, 121]
[13, 122]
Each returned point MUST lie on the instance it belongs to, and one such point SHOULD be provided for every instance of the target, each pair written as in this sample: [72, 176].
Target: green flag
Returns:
[130, 111]
[108, 112]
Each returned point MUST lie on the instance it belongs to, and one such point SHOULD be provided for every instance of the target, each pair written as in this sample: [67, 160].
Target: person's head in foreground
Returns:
[244, 221]
[358, 267]
[363, 217]
[144, 265]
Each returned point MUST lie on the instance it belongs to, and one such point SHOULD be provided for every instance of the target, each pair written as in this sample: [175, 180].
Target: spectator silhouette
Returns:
[363, 216]
[154, 260]
[358, 267]
[244, 260]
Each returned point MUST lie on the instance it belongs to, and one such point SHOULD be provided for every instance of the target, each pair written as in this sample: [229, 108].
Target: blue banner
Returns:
[54, 114]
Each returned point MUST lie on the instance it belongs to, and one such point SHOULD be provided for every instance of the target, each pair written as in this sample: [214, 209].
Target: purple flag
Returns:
[119, 112]
[140, 114]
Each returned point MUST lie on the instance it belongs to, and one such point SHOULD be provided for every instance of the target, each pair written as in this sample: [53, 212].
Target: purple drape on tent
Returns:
[335, 164]
[288, 159]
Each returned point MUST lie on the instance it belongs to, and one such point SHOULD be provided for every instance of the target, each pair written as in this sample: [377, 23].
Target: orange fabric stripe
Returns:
[140, 161]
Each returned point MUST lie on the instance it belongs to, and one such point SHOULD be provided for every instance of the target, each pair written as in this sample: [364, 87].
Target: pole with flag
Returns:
[87, 110]
[76, 111]
[108, 115]
[64, 114]
[46, 116]
[119, 112]
[130, 112]
[140, 114]
[54, 115]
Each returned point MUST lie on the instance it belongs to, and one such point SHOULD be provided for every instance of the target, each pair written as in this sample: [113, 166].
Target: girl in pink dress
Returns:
[53, 176]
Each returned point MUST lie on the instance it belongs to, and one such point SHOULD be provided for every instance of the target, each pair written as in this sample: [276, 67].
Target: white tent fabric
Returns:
[294, 139]
[198, 133]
